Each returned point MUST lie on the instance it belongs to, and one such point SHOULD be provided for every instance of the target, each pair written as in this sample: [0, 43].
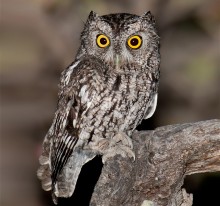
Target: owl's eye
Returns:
[134, 42]
[102, 41]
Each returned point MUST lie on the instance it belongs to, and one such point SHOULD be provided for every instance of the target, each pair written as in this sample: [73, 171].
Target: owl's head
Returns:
[119, 39]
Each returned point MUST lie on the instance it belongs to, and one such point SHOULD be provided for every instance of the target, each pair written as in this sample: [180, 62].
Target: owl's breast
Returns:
[120, 106]
[135, 97]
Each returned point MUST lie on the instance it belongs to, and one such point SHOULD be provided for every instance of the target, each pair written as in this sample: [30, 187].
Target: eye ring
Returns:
[102, 41]
[134, 42]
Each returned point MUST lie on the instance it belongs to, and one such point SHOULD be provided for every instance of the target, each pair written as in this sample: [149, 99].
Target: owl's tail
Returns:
[44, 174]
[44, 171]
[66, 182]
[65, 185]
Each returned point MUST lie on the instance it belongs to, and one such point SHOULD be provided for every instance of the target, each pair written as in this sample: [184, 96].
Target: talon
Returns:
[130, 153]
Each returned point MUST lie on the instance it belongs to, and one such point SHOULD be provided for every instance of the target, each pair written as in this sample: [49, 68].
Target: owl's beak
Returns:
[117, 62]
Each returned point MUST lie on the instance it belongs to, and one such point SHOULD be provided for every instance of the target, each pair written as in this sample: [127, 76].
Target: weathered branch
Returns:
[163, 158]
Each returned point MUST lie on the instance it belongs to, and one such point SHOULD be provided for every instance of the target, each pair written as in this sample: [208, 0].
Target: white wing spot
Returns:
[82, 91]
[69, 72]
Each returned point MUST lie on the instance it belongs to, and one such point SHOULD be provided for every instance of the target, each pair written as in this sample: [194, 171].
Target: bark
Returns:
[164, 157]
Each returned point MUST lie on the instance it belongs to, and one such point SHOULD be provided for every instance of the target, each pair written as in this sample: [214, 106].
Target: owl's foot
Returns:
[120, 144]
[122, 150]
[123, 138]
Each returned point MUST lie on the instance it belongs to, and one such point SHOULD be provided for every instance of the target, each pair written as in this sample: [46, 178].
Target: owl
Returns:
[103, 95]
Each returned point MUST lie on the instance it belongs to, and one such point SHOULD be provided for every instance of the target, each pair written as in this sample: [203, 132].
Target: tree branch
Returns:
[163, 158]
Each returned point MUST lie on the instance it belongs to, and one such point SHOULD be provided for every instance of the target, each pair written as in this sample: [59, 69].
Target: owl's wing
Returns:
[66, 164]
[64, 140]
[75, 97]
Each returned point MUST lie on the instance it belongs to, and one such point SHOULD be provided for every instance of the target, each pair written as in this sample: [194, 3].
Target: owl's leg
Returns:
[120, 144]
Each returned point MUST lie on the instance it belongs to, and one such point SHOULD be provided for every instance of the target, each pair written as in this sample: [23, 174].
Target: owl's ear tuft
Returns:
[92, 16]
[148, 17]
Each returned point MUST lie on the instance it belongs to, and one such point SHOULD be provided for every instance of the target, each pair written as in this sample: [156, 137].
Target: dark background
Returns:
[39, 38]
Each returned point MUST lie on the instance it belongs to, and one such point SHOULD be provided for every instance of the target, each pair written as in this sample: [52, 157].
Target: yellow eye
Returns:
[135, 42]
[102, 41]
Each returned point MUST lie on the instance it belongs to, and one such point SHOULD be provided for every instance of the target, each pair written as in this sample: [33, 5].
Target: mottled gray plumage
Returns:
[103, 96]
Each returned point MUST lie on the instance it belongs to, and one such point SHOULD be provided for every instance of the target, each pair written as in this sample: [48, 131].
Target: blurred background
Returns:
[39, 38]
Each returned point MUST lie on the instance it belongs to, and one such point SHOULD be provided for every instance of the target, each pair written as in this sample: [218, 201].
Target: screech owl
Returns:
[103, 95]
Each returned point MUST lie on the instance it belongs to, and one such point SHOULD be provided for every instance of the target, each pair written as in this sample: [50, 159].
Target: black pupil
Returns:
[103, 41]
[134, 42]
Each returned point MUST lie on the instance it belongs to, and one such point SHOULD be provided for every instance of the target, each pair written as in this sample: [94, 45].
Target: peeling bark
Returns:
[164, 157]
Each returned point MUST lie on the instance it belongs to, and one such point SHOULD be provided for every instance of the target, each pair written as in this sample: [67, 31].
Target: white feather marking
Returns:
[69, 72]
[69, 142]
[74, 123]
[67, 139]
[152, 107]
[82, 91]
[88, 105]
[106, 105]
[85, 97]
[56, 192]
